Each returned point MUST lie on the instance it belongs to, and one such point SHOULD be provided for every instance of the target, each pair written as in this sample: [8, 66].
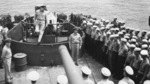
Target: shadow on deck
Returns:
[48, 75]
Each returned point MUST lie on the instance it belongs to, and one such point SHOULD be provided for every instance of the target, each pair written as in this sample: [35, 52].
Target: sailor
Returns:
[105, 75]
[88, 37]
[123, 52]
[115, 49]
[127, 73]
[130, 55]
[142, 72]
[40, 22]
[97, 37]
[62, 79]
[148, 35]
[143, 34]
[93, 33]
[101, 43]
[86, 72]
[135, 64]
[75, 42]
[6, 57]
[109, 51]
[105, 47]
[114, 22]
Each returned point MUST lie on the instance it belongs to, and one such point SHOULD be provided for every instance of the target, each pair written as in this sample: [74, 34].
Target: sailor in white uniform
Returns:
[75, 42]
[6, 57]
[128, 72]
[105, 75]
[86, 72]
[40, 22]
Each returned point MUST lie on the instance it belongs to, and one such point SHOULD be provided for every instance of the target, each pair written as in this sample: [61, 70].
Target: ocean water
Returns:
[134, 12]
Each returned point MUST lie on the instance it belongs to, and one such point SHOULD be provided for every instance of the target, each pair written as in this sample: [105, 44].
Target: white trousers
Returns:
[7, 68]
[75, 52]
[39, 28]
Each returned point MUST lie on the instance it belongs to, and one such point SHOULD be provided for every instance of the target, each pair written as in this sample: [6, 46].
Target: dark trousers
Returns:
[114, 62]
[139, 78]
[120, 66]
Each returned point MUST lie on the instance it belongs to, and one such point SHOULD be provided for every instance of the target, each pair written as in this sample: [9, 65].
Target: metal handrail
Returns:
[71, 70]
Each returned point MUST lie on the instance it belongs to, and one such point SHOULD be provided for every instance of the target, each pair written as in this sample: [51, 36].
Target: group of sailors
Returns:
[116, 47]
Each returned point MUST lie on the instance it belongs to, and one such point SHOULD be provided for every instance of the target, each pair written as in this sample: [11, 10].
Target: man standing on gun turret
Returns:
[40, 21]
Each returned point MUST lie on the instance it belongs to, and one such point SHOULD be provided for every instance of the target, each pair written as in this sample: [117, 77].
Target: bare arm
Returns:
[3, 54]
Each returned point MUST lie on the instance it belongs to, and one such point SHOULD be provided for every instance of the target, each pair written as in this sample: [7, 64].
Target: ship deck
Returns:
[48, 75]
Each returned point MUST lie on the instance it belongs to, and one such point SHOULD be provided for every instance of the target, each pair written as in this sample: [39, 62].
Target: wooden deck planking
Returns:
[55, 72]
[82, 62]
[44, 75]
[2, 79]
[95, 67]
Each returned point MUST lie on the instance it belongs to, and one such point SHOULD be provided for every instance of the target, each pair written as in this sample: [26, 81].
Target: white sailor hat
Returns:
[89, 24]
[97, 29]
[116, 35]
[123, 39]
[112, 36]
[137, 49]
[132, 46]
[122, 82]
[146, 82]
[127, 37]
[144, 52]
[120, 33]
[94, 26]
[84, 21]
[86, 70]
[97, 22]
[62, 79]
[133, 40]
[108, 32]
[102, 28]
[33, 75]
[134, 37]
[144, 46]
[127, 34]
[129, 70]
[106, 20]
[144, 40]
[123, 31]
[106, 72]
[117, 29]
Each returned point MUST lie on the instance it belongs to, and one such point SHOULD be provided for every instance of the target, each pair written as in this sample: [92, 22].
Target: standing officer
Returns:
[75, 42]
[6, 57]
[128, 72]
[40, 22]
[105, 75]
[86, 72]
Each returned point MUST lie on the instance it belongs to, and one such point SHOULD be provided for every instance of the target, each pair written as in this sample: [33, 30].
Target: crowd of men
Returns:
[116, 46]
